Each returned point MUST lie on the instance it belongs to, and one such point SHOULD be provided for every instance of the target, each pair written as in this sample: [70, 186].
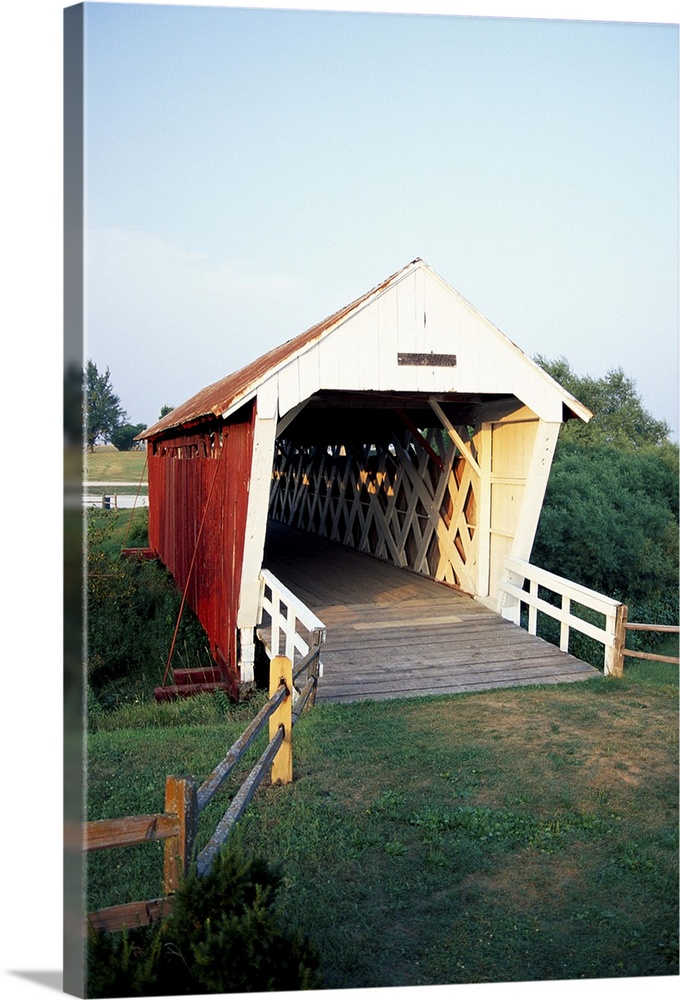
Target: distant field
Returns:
[113, 466]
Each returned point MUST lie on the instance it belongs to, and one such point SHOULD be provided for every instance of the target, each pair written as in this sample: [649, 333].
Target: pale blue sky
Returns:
[251, 171]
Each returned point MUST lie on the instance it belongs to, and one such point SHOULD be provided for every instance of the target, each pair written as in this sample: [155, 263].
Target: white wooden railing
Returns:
[513, 596]
[288, 627]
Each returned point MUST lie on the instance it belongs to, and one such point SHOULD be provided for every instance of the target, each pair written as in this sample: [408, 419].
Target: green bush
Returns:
[224, 936]
[608, 522]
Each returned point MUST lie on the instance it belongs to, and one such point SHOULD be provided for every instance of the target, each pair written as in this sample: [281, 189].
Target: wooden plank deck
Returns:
[393, 633]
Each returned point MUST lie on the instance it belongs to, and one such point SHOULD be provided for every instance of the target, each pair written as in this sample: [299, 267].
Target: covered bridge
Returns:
[405, 426]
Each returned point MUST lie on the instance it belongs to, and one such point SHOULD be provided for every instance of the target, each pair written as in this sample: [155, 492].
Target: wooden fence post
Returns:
[613, 664]
[180, 801]
[281, 669]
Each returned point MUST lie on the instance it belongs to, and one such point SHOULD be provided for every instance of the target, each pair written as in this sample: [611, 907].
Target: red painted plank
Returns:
[182, 470]
[138, 554]
[198, 675]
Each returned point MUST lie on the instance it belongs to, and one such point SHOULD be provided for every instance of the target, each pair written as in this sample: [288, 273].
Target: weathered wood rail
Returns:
[612, 634]
[185, 800]
[641, 654]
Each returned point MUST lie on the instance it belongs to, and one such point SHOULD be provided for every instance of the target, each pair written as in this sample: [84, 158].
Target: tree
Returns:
[103, 408]
[609, 522]
[123, 437]
[619, 416]
[165, 410]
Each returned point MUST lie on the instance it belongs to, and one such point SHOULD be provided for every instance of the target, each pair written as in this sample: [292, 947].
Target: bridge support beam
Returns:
[256, 530]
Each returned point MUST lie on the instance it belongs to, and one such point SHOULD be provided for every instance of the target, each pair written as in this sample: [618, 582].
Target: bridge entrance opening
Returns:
[393, 475]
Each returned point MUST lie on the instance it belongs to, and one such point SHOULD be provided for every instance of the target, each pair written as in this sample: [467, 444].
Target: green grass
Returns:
[109, 531]
[111, 466]
[522, 834]
[127, 768]
[133, 609]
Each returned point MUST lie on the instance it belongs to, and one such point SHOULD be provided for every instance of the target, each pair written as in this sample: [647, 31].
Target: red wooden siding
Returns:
[205, 465]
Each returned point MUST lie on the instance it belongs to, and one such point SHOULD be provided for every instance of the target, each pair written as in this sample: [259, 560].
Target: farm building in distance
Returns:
[404, 426]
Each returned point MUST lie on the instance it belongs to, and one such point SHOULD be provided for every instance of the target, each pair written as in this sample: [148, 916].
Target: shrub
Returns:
[223, 936]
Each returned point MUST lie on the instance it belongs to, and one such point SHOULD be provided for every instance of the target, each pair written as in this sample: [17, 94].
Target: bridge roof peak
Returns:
[411, 332]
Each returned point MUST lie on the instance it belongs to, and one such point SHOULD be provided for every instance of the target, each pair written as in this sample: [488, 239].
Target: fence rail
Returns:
[109, 499]
[612, 636]
[641, 654]
[129, 830]
[185, 800]
[312, 668]
[284, 618]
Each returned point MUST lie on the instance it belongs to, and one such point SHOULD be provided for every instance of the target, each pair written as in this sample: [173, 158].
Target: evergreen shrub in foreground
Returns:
[224, 936]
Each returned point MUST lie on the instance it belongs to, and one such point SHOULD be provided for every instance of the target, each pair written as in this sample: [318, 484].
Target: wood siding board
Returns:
[329, 355]
[543, 449]
[309, 374]
[267, 401]
[419, 321]
[406, 336]
[347, 372]
[369, 346]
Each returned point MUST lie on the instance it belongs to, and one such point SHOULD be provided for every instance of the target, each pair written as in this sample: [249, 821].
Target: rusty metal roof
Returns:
[221, 396]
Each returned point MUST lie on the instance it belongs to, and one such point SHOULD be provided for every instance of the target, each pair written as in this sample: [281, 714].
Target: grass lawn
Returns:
[522, 834]
[111, 466]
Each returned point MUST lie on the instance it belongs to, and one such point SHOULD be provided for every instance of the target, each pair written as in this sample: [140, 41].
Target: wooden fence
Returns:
[114, 501]
[110, 500]
[612, 634]
[185, 800]
[518, 572]
[641, 654]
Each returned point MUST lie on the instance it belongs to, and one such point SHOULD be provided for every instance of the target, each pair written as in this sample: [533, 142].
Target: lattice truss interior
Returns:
[411, 501]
